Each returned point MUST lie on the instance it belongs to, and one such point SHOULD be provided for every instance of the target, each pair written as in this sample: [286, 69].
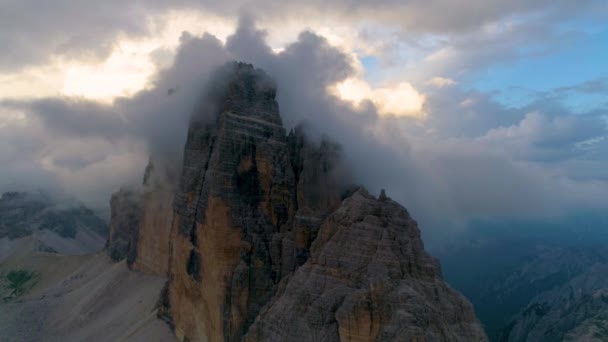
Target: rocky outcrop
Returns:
[569, 301]
[155, 219]
[124, 223]
[254, 243]
[235, 197]
[368, 279]
[141, 219]
[321, 183]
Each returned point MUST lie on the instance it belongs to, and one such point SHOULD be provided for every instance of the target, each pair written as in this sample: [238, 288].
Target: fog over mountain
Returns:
[304, 170]
[470, 156]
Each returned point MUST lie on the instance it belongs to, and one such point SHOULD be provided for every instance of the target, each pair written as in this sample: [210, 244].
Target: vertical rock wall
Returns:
[266, 240]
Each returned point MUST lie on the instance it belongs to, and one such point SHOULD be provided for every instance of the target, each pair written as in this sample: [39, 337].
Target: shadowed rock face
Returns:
[567, 297]
[124, 224]
[262, 246]
[141, 221]
[368, 279]
[235, 196]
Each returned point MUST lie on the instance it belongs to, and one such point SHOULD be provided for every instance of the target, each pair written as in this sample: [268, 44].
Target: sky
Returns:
[460, 109]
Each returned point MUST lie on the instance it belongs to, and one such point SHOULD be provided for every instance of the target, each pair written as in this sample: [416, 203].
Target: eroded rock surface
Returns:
[125, 206]
[141, 220]
[571, 297]
[155, 220]
[368, 279]
[254, 205]
[235, 196]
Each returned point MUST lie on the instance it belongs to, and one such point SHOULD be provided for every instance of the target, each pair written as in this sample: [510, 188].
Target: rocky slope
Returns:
[567, 294]
[258, 232]
[53, 287]
[80, 298]
[368, 279]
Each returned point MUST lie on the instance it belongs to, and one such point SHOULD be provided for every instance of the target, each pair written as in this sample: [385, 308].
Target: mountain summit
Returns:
[268, 240]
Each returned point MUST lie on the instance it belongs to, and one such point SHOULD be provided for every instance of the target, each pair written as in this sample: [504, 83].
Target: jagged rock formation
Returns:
[124, 223]
[567, 296]
[235, 197]
[319, 190]
[155, 219]
[141, 222]
[248, 214]
[368, 279]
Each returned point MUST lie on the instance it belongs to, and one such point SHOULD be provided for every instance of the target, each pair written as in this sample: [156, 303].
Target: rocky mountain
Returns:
[65, 227]
[268, 240]
[534, 281]
[562, 295]
[142, 217]
[56, 283]
[368, 279]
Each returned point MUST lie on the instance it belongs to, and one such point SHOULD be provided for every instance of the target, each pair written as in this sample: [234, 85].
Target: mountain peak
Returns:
[261, 219]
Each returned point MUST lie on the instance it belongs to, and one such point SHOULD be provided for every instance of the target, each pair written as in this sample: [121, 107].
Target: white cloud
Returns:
[400, 99]
[441, 82]
[125, 70]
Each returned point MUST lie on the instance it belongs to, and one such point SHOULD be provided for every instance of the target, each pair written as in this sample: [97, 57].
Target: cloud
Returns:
[441, 82]
[459, 163]
[34, 32]
[400, 99]
[540, 137]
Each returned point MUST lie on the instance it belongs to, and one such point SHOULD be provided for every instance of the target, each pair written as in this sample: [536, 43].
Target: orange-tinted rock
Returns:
[155, 220]
[236, 193]
[368, 279]
[262, 247]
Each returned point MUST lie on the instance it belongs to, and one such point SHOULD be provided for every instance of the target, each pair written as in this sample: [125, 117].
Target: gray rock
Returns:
[368, 279]
[259, 234]
[572, 305]
[124, 223]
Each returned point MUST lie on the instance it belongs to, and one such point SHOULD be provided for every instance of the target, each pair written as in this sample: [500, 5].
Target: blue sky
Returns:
[585, 59]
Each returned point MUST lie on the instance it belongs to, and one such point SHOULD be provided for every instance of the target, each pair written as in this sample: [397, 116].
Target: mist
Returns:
[456, 164]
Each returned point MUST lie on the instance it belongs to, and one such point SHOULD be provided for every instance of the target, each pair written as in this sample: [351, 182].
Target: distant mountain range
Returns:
[65, 227]
[536, 282]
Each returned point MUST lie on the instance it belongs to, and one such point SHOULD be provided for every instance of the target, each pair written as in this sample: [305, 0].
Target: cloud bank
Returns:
[469, 157]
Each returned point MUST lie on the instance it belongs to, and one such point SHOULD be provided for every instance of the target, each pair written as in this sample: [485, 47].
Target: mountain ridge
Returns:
[251, 204]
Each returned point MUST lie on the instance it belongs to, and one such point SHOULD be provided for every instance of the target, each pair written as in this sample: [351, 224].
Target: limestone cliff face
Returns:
[262, 247]
[368, 279]
[569, 296]
[141, 221]
[155, 219]
[320, 185]
[124, 223]
[236, 194]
